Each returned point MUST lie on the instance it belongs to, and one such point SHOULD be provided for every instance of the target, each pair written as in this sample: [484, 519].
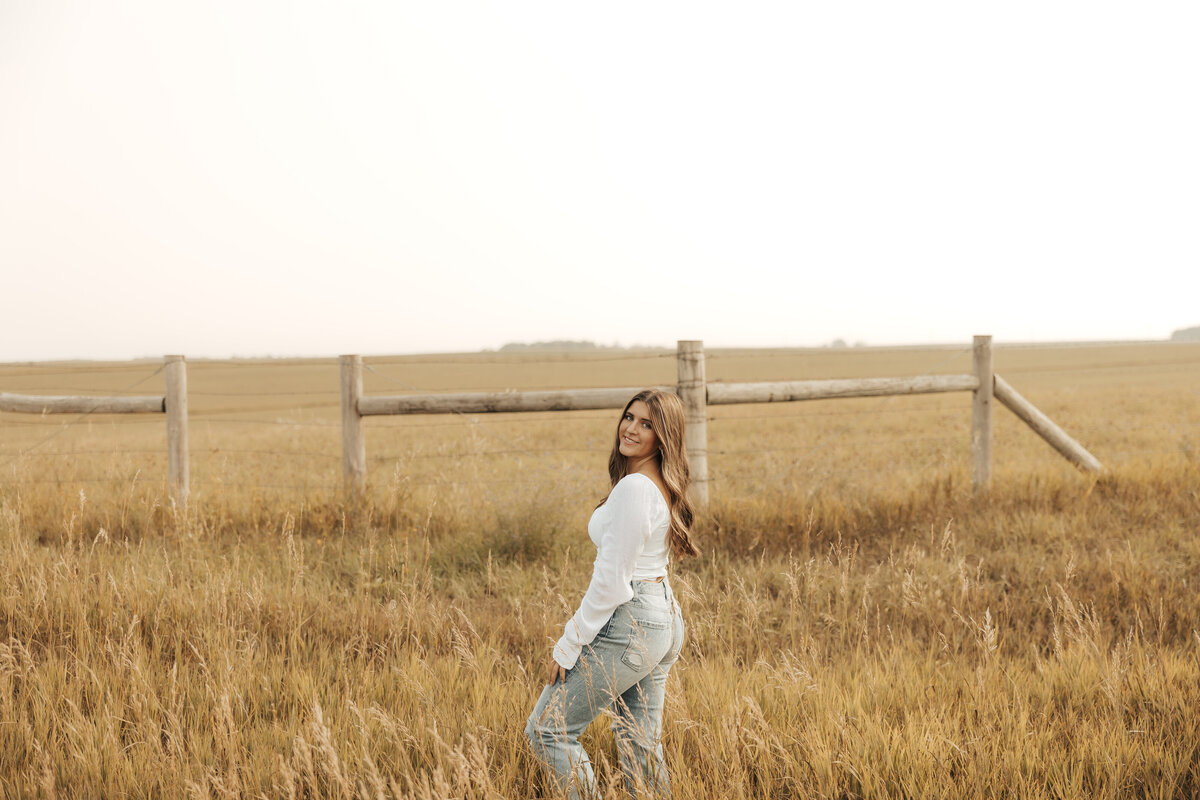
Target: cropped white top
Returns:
[630, 534]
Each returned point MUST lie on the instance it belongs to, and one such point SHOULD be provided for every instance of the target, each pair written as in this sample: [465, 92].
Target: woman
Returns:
[619, 646]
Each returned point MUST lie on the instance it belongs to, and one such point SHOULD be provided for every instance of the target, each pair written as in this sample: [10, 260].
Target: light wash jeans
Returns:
[626, 667]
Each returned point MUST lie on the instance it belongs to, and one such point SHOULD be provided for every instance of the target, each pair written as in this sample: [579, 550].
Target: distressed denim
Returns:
[624, 667]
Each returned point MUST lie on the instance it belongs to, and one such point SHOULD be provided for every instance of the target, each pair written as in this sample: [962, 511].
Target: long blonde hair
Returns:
[667, 422]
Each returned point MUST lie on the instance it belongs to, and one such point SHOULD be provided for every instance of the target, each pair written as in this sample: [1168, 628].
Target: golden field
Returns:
[860, 624]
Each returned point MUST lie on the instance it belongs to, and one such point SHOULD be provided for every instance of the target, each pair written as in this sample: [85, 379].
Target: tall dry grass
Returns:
[861, 624]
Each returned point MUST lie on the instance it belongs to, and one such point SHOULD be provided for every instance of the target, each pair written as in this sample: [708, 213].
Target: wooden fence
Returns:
[697, 394]
[692, 387]
[173, 404]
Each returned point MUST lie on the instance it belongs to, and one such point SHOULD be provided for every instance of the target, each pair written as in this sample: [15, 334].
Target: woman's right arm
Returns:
[622, 541]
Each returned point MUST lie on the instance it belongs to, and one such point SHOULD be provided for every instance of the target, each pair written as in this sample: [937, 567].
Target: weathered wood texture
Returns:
[692, 391]
[483, 402]
[354, 443]
[730, 393]
[1072, 450]
[176, 406]
[33, 404]
[981, 412]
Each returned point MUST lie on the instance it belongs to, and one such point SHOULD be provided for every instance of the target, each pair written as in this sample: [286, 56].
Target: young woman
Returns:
[619, 646]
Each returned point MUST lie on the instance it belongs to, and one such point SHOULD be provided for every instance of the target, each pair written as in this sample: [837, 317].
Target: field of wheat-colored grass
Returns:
[860, 624]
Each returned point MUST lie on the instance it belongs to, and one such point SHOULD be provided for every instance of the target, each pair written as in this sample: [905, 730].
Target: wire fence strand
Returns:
[293, 423]
[214, 453]
[48, 421]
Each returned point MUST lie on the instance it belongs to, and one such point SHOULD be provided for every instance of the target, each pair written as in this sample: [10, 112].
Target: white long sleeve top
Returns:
[630, 534]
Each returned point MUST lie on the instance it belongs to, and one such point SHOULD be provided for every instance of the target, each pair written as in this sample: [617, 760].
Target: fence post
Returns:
[981, 412]
[175, 369]
[693, 391]
[354, 446]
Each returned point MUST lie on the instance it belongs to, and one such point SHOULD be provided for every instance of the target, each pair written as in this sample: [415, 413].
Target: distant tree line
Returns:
[563, 344]
[1186, 335]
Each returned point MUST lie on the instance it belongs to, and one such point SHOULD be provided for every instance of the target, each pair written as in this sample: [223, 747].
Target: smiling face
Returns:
[635, 435]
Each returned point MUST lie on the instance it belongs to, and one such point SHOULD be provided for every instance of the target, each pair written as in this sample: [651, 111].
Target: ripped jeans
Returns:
[625, 667]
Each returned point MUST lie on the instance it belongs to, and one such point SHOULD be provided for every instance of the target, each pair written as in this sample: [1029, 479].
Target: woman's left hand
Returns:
[555, 673]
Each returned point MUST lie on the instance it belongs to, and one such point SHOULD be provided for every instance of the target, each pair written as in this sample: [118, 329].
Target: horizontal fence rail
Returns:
[498, 402]
[733, 393]
[33, 404]
[173, 404]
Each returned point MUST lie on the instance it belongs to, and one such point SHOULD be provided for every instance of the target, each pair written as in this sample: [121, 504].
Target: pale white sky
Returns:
[251, 178]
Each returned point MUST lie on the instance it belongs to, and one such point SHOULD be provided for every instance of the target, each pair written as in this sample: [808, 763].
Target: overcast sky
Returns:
[252, 178]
